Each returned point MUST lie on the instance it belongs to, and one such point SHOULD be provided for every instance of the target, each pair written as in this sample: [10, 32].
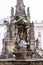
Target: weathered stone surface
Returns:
[21, 63]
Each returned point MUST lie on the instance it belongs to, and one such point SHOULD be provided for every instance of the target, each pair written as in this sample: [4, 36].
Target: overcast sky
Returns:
[36, 11]
[36, 8]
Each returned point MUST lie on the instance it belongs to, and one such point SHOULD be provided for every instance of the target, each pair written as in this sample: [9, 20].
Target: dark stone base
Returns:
[21, 63]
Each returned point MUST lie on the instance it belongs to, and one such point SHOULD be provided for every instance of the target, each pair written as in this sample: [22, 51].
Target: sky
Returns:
[36, 11]
[36, 8]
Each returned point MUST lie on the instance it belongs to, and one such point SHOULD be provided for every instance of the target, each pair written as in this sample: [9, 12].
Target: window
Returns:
[39, 34]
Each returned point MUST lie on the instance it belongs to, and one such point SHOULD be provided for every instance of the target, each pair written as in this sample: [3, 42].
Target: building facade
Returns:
[38, 29]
